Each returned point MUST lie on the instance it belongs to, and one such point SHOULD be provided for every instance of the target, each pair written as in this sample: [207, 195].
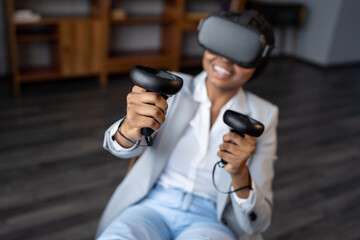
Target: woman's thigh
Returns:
[137, 222]
[206, 231]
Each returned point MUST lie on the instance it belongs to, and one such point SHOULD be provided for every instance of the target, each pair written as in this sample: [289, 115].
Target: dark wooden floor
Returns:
[55, 178]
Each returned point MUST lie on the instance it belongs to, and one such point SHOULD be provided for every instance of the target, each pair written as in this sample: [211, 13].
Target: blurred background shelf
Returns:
[142, 20]
[73, 44]
[39, 73]
[84, 44]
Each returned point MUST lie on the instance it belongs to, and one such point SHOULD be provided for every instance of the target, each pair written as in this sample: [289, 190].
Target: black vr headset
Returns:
[234, 39]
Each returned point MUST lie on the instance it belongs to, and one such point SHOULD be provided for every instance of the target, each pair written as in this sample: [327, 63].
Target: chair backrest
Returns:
[131, 164]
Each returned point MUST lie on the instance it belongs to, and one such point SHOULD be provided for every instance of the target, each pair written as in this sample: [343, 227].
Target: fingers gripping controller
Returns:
[242, 124]
[155, 80]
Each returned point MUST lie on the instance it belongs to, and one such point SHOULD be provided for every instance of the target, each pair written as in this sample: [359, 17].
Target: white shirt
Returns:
[191, 163]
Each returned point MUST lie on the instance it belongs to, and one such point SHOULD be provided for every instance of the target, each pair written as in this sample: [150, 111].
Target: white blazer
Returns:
[246, 224]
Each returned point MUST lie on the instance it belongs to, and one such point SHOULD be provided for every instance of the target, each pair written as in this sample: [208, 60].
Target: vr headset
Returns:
[234, 39]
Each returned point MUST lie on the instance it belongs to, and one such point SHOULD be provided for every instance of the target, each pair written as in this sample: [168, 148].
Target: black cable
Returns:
[135, 143]
[221, 165]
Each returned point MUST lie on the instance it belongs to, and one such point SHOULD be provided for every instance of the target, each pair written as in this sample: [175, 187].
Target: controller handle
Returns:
[155, 80]
[242, 124]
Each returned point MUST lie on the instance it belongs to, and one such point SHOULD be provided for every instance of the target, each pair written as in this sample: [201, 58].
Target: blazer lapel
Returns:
[173, 128]
[224, 185]
[239, 105]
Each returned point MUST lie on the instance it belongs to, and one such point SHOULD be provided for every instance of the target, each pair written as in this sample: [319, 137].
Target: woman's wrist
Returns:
[121, 136]
[122, 140]
[242, 179]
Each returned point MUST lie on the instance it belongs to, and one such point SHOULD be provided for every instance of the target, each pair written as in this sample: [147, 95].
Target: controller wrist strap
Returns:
[221, 165]
[137, 143]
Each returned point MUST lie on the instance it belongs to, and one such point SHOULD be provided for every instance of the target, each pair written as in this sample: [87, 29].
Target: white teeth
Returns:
[221, 70]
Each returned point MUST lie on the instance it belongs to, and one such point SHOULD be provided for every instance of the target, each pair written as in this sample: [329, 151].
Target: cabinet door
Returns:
[80, 47]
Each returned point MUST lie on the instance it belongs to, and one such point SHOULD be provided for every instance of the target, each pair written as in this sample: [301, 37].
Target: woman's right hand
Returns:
[144, 109]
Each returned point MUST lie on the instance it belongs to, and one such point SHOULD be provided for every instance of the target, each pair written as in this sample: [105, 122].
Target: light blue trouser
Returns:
[168, 214]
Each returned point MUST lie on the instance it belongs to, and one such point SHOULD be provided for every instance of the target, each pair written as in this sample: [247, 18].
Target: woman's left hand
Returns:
[236, 150]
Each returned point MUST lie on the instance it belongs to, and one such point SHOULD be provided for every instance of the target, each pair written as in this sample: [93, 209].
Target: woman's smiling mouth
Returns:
[221, 71]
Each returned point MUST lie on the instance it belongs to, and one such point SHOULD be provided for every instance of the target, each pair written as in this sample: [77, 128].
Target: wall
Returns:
[329, 35]
[346, 37]
[315, 37]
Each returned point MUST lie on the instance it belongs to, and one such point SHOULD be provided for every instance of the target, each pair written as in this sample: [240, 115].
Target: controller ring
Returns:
[243, 124]
[155, 80]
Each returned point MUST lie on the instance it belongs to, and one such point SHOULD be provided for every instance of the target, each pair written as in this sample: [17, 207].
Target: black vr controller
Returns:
[242, 124]
[155, 80]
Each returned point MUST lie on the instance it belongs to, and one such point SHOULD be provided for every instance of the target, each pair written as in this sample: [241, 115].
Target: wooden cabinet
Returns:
[81, 46]
[165, 57]
[76, 45]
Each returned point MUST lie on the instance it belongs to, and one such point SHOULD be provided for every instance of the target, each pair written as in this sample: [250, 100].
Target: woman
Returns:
[168, 193]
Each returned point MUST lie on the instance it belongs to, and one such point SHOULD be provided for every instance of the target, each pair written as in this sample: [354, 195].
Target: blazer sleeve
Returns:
[115, 149]
[256, 217]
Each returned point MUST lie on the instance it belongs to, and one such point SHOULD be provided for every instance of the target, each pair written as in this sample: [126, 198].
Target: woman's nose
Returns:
[225, 60]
